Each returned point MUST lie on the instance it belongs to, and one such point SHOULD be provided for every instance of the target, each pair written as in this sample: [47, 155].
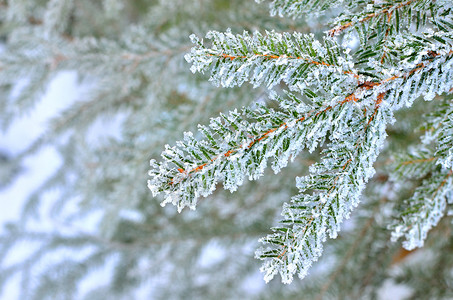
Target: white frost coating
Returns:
[282, 61]
[192, 168]
[241, 144]
[349, 172]
[445, 138]
[427, 207]
[235, 59]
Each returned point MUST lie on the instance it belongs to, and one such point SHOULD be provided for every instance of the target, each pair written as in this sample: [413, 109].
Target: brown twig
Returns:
[389, 10]
[272, 56]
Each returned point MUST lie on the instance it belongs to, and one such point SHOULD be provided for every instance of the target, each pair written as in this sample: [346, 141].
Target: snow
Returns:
[36, 168]
[23, 132]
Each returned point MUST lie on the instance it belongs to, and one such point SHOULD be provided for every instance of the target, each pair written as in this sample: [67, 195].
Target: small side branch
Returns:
[386, 11]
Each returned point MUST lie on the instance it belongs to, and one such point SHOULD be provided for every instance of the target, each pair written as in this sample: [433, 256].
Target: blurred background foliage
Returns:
[108, 238]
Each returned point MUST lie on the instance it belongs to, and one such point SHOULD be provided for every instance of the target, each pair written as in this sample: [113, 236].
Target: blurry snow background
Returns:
[35, 169]
[62, 91]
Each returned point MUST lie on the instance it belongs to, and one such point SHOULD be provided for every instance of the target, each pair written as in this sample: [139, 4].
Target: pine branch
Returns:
[337, 182]
[235, 147]
[387, 16]
[438, 127]
[435, 148]
[309, 218]
[445, 149]
[424, 209]
[295, 59]
[415, 164]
